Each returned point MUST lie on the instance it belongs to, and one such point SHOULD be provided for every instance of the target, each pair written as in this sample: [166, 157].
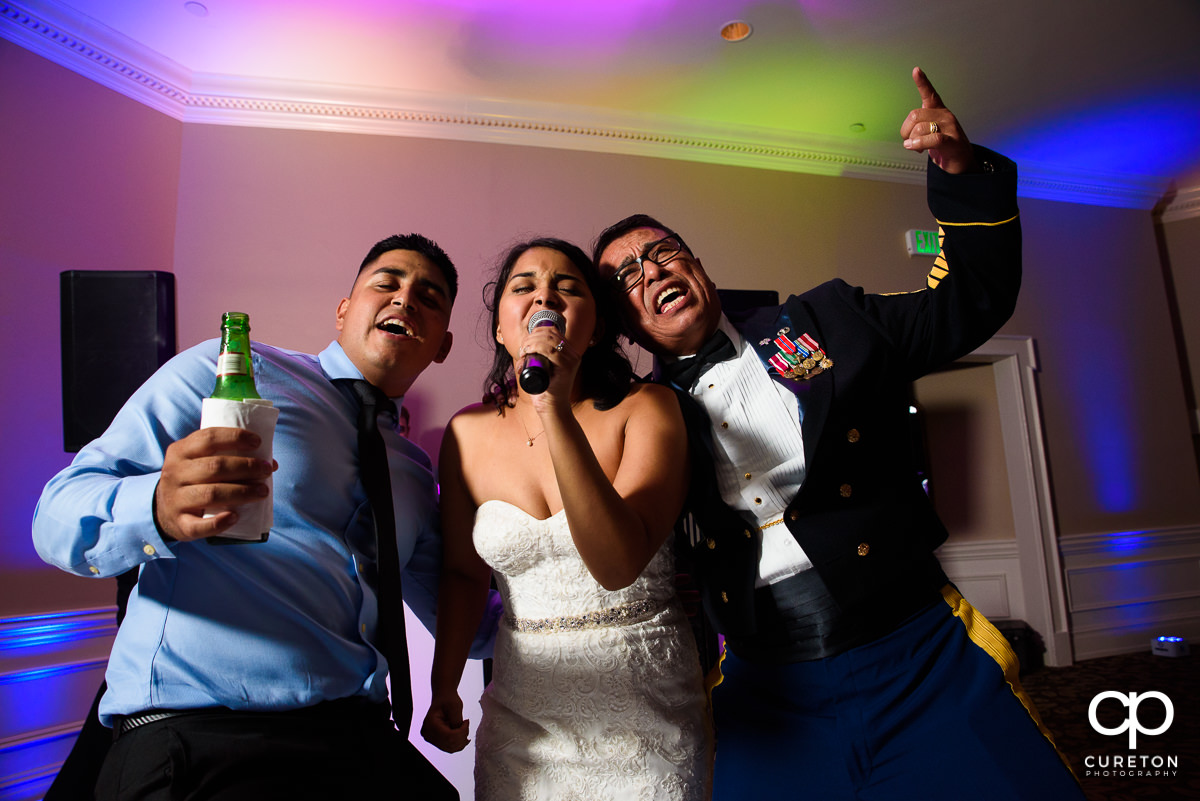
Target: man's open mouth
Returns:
[669, 298]
[397, 327]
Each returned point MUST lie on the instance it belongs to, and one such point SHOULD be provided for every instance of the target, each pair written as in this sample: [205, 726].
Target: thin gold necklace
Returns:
[528, 439]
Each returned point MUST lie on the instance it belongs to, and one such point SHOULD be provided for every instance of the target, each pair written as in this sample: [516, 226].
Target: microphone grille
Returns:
[545, 316]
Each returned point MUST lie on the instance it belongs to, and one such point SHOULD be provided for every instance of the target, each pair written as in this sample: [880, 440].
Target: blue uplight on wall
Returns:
[1151, 135]
[1102, 425]
[1127, 542]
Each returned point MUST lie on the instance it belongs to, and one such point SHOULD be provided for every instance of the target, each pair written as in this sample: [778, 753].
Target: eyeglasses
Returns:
[661, 253]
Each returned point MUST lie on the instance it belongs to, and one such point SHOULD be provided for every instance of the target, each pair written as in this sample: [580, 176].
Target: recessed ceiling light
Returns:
[196, 9]
[736, 31]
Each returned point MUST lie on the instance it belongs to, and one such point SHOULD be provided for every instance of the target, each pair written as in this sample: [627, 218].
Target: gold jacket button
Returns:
[853, 436]
[863, 549]
[845, 490]
[794, 515]
[711, 543]
[724, 598]
[748, 534]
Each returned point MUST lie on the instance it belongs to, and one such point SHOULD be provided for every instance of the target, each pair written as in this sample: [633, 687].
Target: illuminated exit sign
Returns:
[921, 243]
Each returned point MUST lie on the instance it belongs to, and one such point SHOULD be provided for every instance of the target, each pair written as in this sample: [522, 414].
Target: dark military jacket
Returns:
[861, 514]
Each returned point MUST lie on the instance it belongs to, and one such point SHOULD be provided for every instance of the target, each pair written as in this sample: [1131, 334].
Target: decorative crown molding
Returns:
[133, 70]
[1178, 205]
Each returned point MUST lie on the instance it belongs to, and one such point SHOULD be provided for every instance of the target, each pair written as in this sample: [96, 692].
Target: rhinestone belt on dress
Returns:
[615, 616]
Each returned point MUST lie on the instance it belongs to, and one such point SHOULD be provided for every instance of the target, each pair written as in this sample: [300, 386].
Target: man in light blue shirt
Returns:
[273, 639]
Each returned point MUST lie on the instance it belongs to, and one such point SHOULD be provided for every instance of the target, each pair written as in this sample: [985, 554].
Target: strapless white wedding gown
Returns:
[595, 695]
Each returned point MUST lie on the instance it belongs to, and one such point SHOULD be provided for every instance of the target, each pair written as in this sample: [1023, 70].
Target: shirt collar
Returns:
[724, 325]
[336, 365]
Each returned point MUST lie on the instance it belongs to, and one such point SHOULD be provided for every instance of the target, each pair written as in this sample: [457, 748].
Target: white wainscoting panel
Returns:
[988, 574]
[1125, 588]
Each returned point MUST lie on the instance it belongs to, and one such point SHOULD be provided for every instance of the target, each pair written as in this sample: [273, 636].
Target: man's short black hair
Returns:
[418, 244]
[630, 223]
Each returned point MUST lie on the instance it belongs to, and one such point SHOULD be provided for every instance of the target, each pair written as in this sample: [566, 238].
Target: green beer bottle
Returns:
[235, 382]
[235, 375]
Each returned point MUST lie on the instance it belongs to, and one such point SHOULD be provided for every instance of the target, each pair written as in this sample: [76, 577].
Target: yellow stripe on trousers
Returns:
[988, 637]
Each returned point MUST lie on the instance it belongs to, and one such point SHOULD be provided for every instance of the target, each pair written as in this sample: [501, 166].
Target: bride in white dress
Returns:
[568, 497]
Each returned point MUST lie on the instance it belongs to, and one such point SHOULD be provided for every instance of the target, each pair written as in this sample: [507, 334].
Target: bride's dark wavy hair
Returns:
[605, 369]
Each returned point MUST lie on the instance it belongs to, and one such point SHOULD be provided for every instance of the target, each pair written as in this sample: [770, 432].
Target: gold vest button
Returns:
[853, 435]
[794, 515]
[711, 543]
[863, 549]
[845, 490]
[724, 598]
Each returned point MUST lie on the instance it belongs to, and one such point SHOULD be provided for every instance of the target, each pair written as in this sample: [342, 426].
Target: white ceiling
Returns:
[1099, 101]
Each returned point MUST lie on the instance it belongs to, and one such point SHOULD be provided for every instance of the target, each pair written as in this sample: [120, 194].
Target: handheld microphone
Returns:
[535, 374]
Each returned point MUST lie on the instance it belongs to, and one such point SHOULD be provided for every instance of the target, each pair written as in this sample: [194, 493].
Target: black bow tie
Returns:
[684, 372]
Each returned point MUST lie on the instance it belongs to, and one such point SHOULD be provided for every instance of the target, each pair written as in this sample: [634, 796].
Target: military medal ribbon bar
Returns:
[799, 359]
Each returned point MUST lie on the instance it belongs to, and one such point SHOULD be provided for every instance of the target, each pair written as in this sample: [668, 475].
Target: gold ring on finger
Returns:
[933, 127]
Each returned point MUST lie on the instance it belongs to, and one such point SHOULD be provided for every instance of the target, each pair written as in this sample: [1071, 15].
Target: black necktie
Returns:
[684, 372]
[373, 471]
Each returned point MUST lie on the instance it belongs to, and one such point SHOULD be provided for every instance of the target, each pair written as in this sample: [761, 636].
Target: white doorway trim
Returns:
[1014, 365]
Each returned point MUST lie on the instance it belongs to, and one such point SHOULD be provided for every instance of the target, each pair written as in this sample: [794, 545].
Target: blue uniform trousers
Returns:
[932, 711]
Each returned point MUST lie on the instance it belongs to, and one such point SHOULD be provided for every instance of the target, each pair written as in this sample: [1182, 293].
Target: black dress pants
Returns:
[337, 750]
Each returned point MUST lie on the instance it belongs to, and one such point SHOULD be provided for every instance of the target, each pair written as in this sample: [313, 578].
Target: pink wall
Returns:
[89, 182]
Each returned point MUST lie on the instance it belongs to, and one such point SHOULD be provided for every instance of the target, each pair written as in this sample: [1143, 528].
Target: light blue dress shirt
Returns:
[275, 625]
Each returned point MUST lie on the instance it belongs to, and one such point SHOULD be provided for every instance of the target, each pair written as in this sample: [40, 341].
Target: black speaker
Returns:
[1025, 642]
[734, 301]
[118, 327]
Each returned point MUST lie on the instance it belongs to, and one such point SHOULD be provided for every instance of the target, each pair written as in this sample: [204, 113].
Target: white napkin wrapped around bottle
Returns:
[254, 519]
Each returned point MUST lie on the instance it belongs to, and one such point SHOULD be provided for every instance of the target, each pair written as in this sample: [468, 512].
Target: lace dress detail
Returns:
[595, 695]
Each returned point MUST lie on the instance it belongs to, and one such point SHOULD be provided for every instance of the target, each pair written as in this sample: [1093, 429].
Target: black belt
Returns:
[798, 620]
[123, 724]
[356, 708]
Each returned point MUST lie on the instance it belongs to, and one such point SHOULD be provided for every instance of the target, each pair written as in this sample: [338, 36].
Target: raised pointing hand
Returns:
[934, 129]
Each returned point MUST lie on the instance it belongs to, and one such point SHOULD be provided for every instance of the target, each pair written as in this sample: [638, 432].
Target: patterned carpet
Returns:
[1164, 766]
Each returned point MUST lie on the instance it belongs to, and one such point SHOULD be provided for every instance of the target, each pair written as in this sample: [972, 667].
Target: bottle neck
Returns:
[235, 375]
